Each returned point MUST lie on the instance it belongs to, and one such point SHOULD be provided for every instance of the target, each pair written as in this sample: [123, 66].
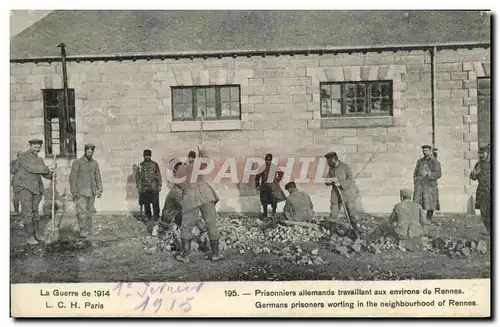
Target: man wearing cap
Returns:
[482, 174]
[268, 182]
[13, 169]
[407, 220]
[298, 205]
[85, 185]
[197, 196]
[425, 179]
[343, 188]
[149, 184]
[27, 182]
[172, 208]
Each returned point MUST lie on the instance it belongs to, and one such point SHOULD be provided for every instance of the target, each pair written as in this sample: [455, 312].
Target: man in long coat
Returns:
[268, 182]
[344, 188]
[425, 179]
[27, 182]
[482, 174]
[298, 205]
[197, 196]
[85, 184]
[149, 184]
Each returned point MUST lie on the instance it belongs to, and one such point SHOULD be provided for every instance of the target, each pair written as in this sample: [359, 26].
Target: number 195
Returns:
[229, 293]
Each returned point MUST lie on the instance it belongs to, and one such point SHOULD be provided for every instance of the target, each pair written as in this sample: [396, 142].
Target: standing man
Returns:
[85, 184]
[298, 205]
[343, 188]
[425, 178]
[27, 182]
[268, 182]
[197, 196]
[13, 169]
[149, 184]
[482, 174]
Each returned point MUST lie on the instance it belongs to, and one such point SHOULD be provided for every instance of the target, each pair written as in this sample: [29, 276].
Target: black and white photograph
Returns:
[250, 145]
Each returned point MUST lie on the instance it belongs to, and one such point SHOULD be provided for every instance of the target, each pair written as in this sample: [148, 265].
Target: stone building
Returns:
[369, 85]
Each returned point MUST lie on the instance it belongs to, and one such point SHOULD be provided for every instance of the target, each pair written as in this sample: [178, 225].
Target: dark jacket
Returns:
[85, 177]
[270, 189]
[28, 171]
[148, 177]
[482, 174]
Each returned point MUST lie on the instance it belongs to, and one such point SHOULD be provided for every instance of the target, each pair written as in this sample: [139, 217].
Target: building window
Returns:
[372, 98]
[217, 102]
[60, 130]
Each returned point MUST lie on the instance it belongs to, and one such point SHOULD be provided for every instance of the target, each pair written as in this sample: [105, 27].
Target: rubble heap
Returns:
[255, 237]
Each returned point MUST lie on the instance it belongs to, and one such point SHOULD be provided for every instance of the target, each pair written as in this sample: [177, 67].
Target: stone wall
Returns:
[125, 107]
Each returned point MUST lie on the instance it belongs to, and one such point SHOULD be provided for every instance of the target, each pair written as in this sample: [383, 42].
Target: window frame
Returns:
[63, 122]
[343, 99]
[218, 102]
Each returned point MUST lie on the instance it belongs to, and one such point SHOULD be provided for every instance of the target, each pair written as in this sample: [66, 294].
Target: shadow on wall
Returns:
[471, 205]
[132, 194]
[248, 197]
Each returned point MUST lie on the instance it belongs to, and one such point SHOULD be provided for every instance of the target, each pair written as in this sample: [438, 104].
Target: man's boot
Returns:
[430, 213]
[82, 226]
[264, 209]
[31, 233]
[216, 256]
[184, 255]
[37, 233]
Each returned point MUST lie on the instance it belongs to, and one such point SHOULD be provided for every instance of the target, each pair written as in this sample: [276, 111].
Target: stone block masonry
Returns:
[125, 107]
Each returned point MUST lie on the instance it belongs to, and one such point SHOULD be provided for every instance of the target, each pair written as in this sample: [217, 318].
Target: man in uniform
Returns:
[85, 184]
[268, 182]
[15, 198]
[407, 220]
[149, 184]
[28, 185]
[197, 196]
[482, 174]
[425, 179]
[298, 205]
[343, 188]
[172, 208]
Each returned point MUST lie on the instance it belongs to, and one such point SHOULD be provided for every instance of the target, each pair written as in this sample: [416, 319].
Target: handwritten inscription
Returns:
[160, 296]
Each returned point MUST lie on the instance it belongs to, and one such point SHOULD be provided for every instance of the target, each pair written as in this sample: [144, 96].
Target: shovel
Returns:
[52, 232]
[353, 229]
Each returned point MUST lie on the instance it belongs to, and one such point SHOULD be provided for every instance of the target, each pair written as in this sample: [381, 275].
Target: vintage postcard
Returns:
[262, 163]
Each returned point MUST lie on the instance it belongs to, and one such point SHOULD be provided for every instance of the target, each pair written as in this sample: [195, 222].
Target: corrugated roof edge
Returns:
[253, 53]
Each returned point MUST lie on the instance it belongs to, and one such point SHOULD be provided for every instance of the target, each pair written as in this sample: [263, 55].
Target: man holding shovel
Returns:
[27, 183]
[344, 191]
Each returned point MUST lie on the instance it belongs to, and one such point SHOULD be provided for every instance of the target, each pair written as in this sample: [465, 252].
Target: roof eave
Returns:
[252, 52]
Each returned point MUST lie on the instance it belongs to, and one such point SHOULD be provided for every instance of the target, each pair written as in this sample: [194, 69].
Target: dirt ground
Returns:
[119, 255]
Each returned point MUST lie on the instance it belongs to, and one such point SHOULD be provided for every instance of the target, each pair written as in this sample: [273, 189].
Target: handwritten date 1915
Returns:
[165, 304]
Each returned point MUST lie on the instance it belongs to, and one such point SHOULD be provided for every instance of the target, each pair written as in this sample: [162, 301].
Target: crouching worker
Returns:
[407, 220]
[298, 205]
[197, 196]
[172, 208]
